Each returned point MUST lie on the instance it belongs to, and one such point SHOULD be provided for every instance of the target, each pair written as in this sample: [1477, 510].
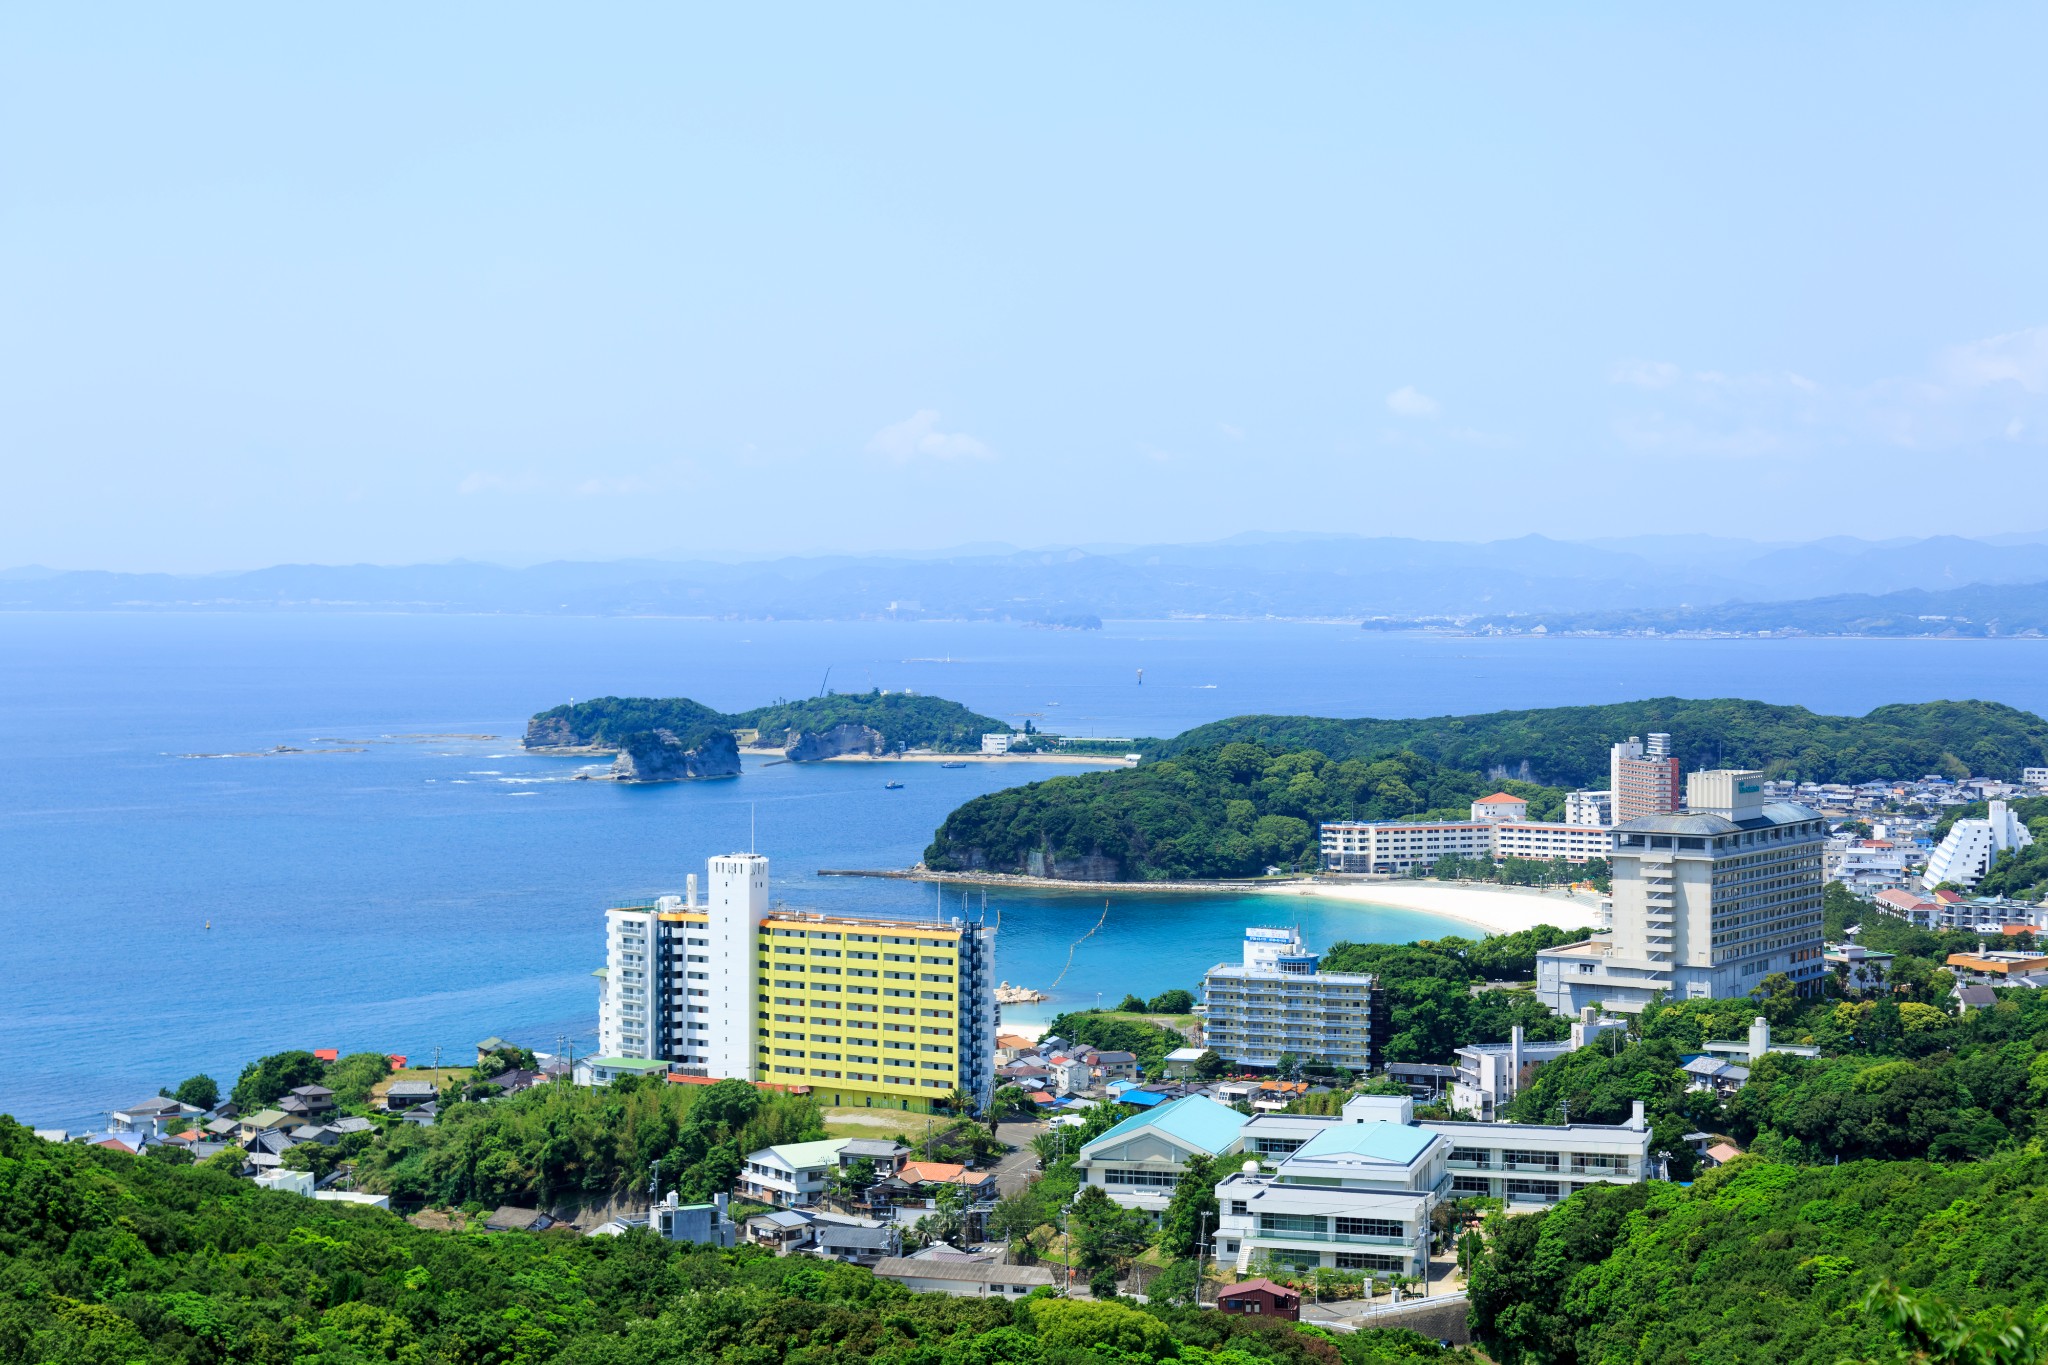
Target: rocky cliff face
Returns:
[840, 739]
[1084, 867]
[662, 756]
[551, 732]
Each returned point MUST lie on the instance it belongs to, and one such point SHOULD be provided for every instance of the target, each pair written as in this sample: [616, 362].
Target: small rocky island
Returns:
[676, 739]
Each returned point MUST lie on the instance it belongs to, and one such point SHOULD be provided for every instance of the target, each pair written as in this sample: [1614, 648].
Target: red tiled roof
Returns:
[397, 1060]
[1252, 1286]
[327, 1054]
[1500, 799]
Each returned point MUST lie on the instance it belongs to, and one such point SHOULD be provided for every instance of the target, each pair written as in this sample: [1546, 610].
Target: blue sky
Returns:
[510, 282]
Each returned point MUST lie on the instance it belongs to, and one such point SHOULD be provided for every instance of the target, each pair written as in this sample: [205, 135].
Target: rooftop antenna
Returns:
[752, 847]
[827, 679]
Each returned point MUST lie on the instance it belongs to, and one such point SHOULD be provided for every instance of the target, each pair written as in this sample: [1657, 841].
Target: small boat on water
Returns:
[952, 765]
[893, 786]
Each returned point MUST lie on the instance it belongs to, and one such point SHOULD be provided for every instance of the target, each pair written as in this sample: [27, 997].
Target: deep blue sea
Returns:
[426, 892]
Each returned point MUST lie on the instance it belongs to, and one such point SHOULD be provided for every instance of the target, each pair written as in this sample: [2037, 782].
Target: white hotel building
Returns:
[1498, 829]
[1278, 1001]
[1352, 1192]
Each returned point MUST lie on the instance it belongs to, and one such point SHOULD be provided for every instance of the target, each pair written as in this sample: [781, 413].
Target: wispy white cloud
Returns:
[1409, 401]
[484, 481]
[918, 437]
[1993, 389]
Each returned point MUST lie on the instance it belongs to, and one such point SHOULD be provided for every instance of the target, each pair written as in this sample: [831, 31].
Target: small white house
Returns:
[792, 1175]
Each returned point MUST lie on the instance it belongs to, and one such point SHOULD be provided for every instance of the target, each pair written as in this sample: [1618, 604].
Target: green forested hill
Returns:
[108, 1259]
[1225, 812]
[1567, 746]
[904, 720]
[1763, 1263]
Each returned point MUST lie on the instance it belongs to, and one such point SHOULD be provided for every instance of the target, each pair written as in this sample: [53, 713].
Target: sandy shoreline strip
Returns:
[1496, 909]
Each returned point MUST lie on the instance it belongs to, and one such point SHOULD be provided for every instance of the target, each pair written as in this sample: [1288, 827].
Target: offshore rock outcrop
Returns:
[664, 756]
[834, 743]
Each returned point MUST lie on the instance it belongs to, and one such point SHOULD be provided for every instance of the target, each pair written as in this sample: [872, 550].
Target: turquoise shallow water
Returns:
[429, 892]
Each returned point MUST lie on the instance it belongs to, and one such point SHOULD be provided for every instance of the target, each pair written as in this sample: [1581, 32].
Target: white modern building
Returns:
[1401, 846]
[1706, 904]
[995, 743]
[878, 1013]
[1972, 847]
[1356, 1192]
[1590, 809]
[1278, 1001]
[792, 1175]
[1492, 1074]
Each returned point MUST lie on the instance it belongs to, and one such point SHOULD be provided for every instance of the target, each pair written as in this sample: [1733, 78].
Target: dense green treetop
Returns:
[905, 721]
[1431, 1010]
[1760, 1263]
[107, 1259]
[1567, 746]
[1225, 812]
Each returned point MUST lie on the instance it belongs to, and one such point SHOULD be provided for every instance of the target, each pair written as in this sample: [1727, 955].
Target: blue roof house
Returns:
[1138, 1162]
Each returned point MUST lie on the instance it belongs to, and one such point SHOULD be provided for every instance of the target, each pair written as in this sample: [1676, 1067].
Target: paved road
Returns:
[1014, 1171]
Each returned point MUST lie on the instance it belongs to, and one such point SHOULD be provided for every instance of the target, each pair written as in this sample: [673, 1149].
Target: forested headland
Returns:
[1566, 746]
[890, 722]
[1231, 811]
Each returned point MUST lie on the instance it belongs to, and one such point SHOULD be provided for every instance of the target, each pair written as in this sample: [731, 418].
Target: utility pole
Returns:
[1201, 1245]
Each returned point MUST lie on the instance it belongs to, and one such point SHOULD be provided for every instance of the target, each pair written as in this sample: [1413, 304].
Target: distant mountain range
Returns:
[1622, 583]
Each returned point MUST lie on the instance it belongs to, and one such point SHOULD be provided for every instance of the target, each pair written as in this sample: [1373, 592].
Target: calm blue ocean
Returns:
[427, 892]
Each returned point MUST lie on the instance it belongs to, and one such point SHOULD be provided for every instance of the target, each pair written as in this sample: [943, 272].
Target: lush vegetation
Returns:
[1567, 746]
[1230, 811]
[904, 720]
[1107, 1033]
[1519, 871]
[560, 1142]
[1431, 1009]
[107, 1259]
[608, 722]
[1764, 1262]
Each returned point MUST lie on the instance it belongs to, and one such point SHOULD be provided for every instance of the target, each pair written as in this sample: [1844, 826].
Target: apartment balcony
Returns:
[1349, 1238]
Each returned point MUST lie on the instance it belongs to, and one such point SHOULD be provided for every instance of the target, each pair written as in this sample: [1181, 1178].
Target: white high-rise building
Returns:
[1972, 847]
[1706, 904]
[1589, 809]
[1278, 1002]
[879, 1013]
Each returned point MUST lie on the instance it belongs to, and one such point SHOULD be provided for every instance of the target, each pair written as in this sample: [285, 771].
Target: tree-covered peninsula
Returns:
[1231, 811]
[1567, 746]
[837, 723]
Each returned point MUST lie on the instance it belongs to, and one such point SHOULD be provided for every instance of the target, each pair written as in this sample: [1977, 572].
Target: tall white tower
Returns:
[737, 904]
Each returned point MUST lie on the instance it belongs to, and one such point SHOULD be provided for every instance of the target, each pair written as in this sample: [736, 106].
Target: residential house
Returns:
[791, 1175]
[1115, 1066]
[857, 1244]
[964, 1279]
[925, 1176]
[785, 1230]
[1711, 1074]
[1262, 1298]
[706, 1224]
[1426, 1081]
[886, 1155]
[1180, 1063]
[311, 1101]
[152, 1115]
[291, 1182]
[510, 1218]
[403, 1095]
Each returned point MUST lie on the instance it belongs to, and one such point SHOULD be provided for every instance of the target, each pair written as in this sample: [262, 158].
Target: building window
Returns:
[1370, 1227]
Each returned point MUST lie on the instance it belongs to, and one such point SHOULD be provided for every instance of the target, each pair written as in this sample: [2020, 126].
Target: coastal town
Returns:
[1341, 1169]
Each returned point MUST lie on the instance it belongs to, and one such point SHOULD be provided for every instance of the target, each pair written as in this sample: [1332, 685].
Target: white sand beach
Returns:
[1495, 909]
